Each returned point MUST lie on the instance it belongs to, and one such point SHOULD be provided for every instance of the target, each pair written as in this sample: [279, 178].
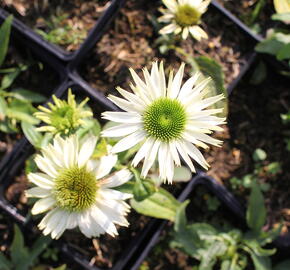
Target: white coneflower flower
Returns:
[183, 17]
[63, 117]
[76, 190]
[167, 119]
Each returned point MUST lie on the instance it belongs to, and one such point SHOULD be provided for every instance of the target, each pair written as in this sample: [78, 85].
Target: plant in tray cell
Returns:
[262, 173]
[15, 103]
[82, 179]
[230, 249]
[277, 42]
[22, 257]
[184, 16]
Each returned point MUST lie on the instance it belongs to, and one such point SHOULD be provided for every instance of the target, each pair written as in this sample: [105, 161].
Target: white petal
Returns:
[38, 192]
[174, 153]
[187, 88]
[104, 220]
[202, 137]
[122, 117]
[197, 32]
[184, 155]
[86, 150]
[121, 130]
[134, 99]
[42, 205]
[170, 4]
[72, 220]
[117, 179]
[61, 226]
[129, 141]
[185, 33]
[46, 166]
[162, 154]
[87, 224]
[124, 104]
[145, 149]
[168, 29]
[150, 158]
[42, 180]
[173, 91]
[106, 164]
[114, 194]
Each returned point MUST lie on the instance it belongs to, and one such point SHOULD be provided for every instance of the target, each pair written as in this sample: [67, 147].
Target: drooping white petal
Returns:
[185, 33]
[143, 151]
[197, 32]
[46, 165]
[38, 192]
[124, 104]
[117, 179]
[129, 141]
[150, 158]
[168, 29]
[121, 130]
[42, 205]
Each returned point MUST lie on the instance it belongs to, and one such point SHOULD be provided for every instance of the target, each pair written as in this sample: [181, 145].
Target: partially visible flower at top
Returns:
[166, 118]
[63, 117]
[76, 190]
[183, 17]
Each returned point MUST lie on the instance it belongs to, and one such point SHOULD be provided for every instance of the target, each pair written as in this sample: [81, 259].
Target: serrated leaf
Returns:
[31, 134]
[282, 6]
[256, 212]
[4, 37]
[160, 204]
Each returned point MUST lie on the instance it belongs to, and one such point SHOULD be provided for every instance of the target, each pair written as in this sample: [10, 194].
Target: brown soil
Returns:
[131, 42]
[75, 17]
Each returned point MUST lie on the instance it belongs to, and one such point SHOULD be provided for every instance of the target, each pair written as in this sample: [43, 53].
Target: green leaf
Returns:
[38, 247]
[5, 264]
[259, 251]
[256, 212]
[284, 53]
[21, 116]
[31, 134]
[273, 44]
[26, 95]
[181, 174]
[215, 250]
[259, 155]
[143, 189]
[180, 218]
[4, 38]
[284, 17]
[19, 253]
[62, 267]
[211, 68]
[260, 263]
[282, 6]
[9, 78]
[160, 204]
[285, 265]
[3, 108]
[259, 74]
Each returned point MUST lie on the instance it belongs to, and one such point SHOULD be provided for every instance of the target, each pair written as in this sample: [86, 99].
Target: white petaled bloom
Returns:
[77, 191]
[183, 17]
[166, 119]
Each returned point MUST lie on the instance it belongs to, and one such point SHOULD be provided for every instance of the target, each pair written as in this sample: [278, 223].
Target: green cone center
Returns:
[187, 15]
[64, 119]
[165, 119]
[75, 189]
